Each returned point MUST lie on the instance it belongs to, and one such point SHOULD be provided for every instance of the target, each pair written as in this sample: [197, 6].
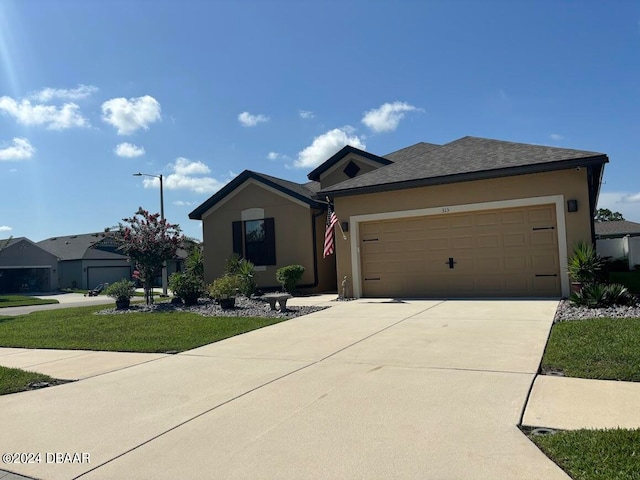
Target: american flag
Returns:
[332, 219]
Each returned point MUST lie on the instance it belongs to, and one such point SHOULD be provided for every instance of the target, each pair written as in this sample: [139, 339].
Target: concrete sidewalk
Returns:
[573, 403]
[366, 389]
[72, 364]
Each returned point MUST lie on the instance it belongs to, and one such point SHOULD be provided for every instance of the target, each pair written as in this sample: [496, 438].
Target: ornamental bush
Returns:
[289, 277]
[121, 290]
[188, 287]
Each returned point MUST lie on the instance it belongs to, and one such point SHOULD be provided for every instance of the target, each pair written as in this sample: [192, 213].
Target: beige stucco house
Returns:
[471, 218]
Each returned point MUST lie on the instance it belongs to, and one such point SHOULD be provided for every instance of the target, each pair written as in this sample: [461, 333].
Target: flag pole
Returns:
[344, 237]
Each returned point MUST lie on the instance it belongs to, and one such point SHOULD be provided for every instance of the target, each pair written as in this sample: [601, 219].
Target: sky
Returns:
[93, 91]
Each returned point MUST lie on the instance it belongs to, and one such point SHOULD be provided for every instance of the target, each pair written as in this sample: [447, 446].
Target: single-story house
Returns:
[26, 267]
[617, 229]
[87, 260]
[471, 218]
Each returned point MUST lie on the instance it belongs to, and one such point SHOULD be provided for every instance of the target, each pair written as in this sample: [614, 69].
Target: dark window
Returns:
[255, 241]
[351, 170]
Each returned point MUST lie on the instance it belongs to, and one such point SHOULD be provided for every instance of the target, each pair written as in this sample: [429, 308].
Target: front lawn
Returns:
[594, 454]
[603, 349]
[79, 328]
[23, 301]
[13, 380]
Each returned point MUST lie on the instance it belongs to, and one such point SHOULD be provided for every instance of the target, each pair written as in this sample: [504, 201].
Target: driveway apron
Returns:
[366, 389]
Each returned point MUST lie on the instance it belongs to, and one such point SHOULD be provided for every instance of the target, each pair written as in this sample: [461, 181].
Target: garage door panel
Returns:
[544, 237]
[495, 253]
[541, 215]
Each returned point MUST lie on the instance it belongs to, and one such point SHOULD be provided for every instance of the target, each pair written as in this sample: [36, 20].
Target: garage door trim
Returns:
[557, 200]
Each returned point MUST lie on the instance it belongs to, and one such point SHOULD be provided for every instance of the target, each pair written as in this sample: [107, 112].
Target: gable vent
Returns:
[351, 170]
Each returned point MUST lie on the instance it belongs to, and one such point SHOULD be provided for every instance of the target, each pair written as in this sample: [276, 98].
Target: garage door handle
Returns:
[369, 240]
[549, 275]
[543, 228]
[373, 278]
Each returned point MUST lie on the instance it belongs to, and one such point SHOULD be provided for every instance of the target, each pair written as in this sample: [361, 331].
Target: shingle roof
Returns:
[621, 228]
[77, 247]
[304, 192]
[410, 152]
[468, 158]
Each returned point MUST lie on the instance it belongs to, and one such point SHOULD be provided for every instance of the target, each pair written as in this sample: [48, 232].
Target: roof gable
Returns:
[302, 192]
[469, 158]
[343, 152]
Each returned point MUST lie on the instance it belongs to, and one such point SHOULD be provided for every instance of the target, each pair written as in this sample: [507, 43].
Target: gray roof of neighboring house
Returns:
[617, 228]
[79, 247]
[469, 158]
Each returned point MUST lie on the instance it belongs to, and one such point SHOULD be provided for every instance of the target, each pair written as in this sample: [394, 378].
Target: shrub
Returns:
[289, 277]
[584, 264]
[188, 287]
[226, 286]
[244, 269]
[597, 295]
[121, 290]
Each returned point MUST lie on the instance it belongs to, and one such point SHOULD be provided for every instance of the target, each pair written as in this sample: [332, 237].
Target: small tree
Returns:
[148, 241]
[606, 215]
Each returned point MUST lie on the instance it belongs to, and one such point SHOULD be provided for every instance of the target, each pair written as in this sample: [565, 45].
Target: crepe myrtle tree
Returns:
[148, 241]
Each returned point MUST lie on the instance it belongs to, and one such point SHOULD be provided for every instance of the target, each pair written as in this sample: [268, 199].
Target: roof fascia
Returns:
[254, 181]
[343, 152]
[471, 176]
[231, 187]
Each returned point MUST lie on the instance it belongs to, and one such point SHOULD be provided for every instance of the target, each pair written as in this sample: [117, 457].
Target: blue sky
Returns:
[94, 91]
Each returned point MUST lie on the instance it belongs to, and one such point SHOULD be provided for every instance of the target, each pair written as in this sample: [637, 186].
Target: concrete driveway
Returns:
[366, 389]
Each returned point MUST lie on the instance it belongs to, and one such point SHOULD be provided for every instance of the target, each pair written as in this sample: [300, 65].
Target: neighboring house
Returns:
[26, 267]
[471, 218]
[617, 229]
[87, 260]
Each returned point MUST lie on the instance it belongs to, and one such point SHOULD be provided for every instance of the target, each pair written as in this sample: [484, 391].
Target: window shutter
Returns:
[270, 241]
[237, 238]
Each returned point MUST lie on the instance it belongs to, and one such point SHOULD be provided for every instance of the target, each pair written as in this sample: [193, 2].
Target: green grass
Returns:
[594, 454]
[23, 301]
[13, 380]
[603, 349]
[631, 280]
[79, 328]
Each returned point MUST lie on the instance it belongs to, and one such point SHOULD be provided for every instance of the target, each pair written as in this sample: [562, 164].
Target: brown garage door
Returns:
[491, 253]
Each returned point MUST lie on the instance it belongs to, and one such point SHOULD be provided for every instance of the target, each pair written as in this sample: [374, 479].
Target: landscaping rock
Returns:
[245, 307]
[567, 312]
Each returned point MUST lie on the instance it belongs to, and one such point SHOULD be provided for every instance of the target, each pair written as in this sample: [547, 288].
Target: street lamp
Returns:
[164, 264]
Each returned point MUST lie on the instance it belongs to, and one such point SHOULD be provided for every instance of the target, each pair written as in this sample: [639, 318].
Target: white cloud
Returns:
[48, 94]
[631, 198]
[55, 118]
[129, 150]
[5, 228]
[20, 149]
[130, 115]
[326, 145]
[273, 155]
[627, 203]
[248, 120]
[387, 116]
[181, 203]
[557, 137]
[184, 177]
[306, 114]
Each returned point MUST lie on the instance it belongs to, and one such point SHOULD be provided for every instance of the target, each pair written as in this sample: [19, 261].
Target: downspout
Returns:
[594, 187]
[315, 251]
